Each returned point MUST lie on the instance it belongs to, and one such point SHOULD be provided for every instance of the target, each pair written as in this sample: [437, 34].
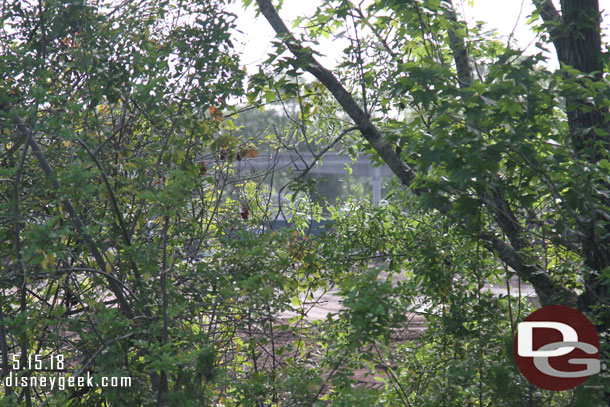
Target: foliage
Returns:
[106, 123]
[136, 241]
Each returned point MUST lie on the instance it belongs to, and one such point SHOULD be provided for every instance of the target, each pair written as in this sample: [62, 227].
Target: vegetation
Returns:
[132, 241]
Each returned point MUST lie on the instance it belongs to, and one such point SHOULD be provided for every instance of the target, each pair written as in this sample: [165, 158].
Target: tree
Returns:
[132, 236]
[512, 153]
[108, 111]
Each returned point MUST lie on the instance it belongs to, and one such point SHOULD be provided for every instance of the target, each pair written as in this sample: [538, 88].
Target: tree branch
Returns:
[345, 99]
[549, 15]
[458, 48]
[78, 223]
[548, 291]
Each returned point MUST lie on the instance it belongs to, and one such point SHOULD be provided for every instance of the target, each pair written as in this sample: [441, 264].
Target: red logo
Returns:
[556, 348]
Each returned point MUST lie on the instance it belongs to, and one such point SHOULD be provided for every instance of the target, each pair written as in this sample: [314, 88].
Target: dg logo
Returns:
[556, 348]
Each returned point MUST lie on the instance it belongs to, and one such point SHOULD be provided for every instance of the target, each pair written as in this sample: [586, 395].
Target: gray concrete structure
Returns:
[331, 163]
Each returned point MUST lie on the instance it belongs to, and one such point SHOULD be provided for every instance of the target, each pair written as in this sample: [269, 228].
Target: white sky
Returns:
[502, 15]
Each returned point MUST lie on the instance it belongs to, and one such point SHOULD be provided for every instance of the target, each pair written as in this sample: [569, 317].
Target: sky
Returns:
[503, 15]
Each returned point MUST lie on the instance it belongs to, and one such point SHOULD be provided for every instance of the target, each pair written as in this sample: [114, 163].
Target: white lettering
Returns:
[526, 338]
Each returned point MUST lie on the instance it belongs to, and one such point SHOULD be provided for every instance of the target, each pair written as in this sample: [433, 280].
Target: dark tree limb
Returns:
[549, 15]
[576, 35]
[514, 255]
[458, 48]
[575, 32]
[345, 99]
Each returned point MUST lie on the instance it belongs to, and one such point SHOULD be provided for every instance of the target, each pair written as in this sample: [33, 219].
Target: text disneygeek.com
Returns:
[61, 382]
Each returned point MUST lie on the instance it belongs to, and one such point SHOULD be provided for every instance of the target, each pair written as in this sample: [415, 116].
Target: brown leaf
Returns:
[216, 113]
